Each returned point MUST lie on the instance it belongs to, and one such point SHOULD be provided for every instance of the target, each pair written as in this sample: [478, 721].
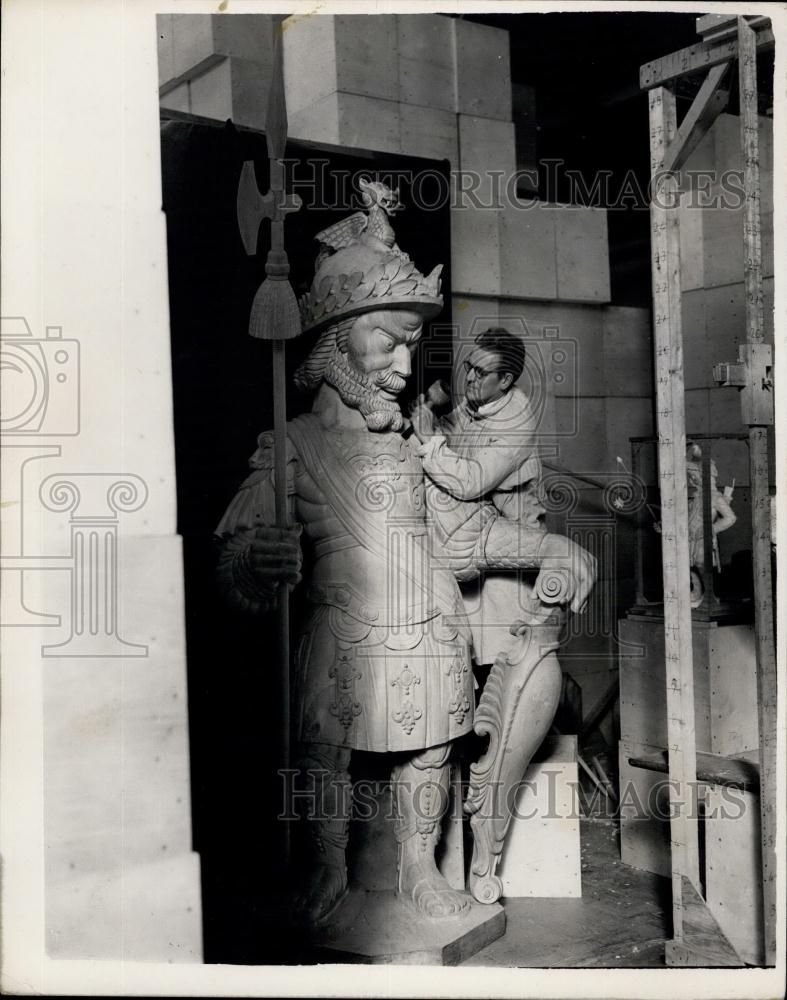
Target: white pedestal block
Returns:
[541, 856]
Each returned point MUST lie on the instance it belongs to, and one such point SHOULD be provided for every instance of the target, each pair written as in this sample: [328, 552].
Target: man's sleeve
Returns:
[472, 478]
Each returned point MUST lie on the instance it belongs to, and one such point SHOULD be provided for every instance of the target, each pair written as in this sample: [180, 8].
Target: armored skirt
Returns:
[379, 688]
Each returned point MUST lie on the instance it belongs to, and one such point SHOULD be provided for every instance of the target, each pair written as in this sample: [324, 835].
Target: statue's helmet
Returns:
[360, 269]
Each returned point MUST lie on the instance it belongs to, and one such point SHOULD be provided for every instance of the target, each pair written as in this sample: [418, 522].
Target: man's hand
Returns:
[565, 561]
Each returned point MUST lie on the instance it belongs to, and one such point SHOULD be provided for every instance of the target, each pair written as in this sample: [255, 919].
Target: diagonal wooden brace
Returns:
[705, 109]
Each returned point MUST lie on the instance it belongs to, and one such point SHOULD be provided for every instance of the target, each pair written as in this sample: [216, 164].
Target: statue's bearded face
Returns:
[372, 365]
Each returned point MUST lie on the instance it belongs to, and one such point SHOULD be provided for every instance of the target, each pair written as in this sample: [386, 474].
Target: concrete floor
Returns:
[621, 920]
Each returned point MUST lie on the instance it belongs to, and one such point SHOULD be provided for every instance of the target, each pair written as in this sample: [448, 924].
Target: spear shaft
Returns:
[275, 317]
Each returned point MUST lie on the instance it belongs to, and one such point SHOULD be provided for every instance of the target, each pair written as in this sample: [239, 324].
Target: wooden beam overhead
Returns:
[707, 106]
[696, 58]
[717, 27]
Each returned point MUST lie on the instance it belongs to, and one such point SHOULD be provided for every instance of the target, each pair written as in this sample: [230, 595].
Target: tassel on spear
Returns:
[275, 317]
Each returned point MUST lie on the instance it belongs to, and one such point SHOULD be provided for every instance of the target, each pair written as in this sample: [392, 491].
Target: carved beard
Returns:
[362, 392]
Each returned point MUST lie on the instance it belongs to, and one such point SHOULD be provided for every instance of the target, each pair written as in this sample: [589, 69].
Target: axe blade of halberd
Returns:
[252, 207]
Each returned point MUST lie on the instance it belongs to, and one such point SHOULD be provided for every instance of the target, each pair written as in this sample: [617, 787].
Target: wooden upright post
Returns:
[758, 414]
[697, 938]
[668, 344]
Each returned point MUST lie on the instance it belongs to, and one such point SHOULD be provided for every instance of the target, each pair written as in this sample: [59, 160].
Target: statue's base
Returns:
[380, 928]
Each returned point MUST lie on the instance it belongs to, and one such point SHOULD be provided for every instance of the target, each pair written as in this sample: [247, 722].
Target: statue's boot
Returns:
[420, 797]
[516, 709]
[322, 882]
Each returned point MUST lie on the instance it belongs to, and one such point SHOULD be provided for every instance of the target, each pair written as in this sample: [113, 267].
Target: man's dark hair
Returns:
[506, 346]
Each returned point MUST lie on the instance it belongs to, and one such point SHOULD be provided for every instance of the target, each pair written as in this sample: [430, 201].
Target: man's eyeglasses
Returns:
[478, 371]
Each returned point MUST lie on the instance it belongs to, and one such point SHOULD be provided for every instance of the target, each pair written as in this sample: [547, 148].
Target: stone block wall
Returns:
[420, 84]
[216, 67]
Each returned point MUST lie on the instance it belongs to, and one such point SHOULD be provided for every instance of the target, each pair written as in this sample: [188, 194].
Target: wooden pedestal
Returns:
[725, 712]
[725, 689]
[725, 685]
[733, 869]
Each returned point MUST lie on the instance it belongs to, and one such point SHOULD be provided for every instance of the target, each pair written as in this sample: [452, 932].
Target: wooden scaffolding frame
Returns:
[697, 938]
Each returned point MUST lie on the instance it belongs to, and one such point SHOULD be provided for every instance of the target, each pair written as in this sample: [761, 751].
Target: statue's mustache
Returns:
[390, 380]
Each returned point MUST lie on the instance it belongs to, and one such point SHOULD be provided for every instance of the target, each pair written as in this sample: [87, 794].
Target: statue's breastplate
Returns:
[389, 476]
[385, 487]
[384, 566]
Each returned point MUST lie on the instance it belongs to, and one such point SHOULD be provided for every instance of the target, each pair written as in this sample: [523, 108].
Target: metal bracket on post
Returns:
[753, 374]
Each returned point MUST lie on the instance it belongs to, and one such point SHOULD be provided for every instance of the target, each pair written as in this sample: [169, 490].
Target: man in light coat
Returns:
[486, 522]
[484, 456]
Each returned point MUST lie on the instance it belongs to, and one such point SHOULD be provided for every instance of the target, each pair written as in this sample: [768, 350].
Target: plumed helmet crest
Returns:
[360, 268]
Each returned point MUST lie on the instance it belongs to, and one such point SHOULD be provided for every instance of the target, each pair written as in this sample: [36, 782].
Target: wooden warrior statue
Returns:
[383, 659]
